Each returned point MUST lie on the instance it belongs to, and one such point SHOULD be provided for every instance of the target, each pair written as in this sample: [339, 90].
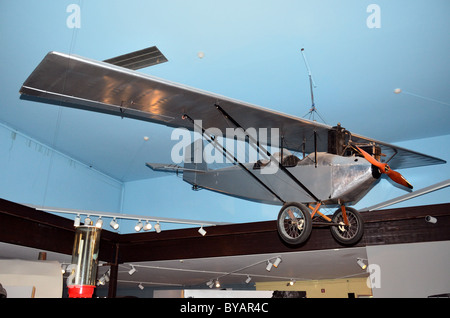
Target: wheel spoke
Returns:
[293, 222]
[347, 232]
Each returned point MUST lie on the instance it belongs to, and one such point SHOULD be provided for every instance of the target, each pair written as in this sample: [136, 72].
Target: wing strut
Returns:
[283, 168]
[226, 152]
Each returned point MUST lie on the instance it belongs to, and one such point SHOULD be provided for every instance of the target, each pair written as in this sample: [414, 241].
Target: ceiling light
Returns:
[147, 226]
[138, 226]
[292, 282]
[360, 262]
[77, 221]
[87, 221]
[141, 286]
[277, 262]
[248, 279]
[157, 227]
[210, 284]
[99, 223]
[132, 270]
[269, 266]
[202, 231]
[217, 284]
[63, 268]
[114, 224]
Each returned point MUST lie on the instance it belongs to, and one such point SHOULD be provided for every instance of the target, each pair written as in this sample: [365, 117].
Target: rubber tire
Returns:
[307, 226]
[353, 216]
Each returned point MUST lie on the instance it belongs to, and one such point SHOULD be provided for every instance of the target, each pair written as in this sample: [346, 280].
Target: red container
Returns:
[81, 291]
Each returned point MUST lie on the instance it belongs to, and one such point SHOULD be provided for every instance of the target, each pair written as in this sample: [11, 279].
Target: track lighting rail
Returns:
[138, 218]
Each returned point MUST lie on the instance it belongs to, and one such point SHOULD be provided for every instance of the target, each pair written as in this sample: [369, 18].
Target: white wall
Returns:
[36, 174]
[18, 277]
[410, 270]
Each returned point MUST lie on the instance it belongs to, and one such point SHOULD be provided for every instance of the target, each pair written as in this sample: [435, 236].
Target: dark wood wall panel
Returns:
[261, 238]
[25, 226]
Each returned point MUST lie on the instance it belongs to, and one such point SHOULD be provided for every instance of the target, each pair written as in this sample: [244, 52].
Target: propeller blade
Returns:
[384, 168]
[397, 177]
[371, 159]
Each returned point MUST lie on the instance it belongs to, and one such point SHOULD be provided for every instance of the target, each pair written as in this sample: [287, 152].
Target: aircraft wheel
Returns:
[347, 234]
[294, 223]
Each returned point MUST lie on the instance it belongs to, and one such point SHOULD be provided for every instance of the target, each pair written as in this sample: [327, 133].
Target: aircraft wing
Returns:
[74, 81]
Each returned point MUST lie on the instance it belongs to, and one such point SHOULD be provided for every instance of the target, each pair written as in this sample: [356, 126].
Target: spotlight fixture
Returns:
[157, 227]
[138, 226]
[107, 276]
[141, 286]
[202, 231]
[63, 268]
[104, 279]
[361, 263]
[114, 224]
[248, 279]
[132, 270]
[87, 221]
[430, 219]
[147, 226]
[277, 262]
[291, 283]
[77, 221]
[269, 266]
[101, 281]
[210, 284]
[217, 284]
[99, 223]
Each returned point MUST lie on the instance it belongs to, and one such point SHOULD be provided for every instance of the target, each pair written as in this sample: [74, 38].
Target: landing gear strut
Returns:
[350, 228]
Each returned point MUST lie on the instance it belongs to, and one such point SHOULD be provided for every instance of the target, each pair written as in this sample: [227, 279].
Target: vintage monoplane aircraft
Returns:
[337, 167]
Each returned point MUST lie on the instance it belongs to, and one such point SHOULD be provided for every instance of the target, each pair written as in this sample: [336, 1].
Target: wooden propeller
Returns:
[384, 168]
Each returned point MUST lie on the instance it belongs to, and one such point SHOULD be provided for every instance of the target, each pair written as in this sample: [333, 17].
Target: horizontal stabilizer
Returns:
[139, 59]
[167, 167]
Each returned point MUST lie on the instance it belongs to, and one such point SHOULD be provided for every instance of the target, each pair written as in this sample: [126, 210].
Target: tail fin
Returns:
[193, 156]
[193, 162]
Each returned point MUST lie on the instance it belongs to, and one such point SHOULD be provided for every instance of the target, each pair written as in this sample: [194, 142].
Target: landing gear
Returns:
[349, 231]
[294, 223]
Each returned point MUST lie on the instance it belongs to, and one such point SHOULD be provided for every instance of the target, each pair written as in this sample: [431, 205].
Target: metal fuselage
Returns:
[333, 179]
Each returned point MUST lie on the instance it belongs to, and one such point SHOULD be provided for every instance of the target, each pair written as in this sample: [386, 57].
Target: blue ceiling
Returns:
[251, 53]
